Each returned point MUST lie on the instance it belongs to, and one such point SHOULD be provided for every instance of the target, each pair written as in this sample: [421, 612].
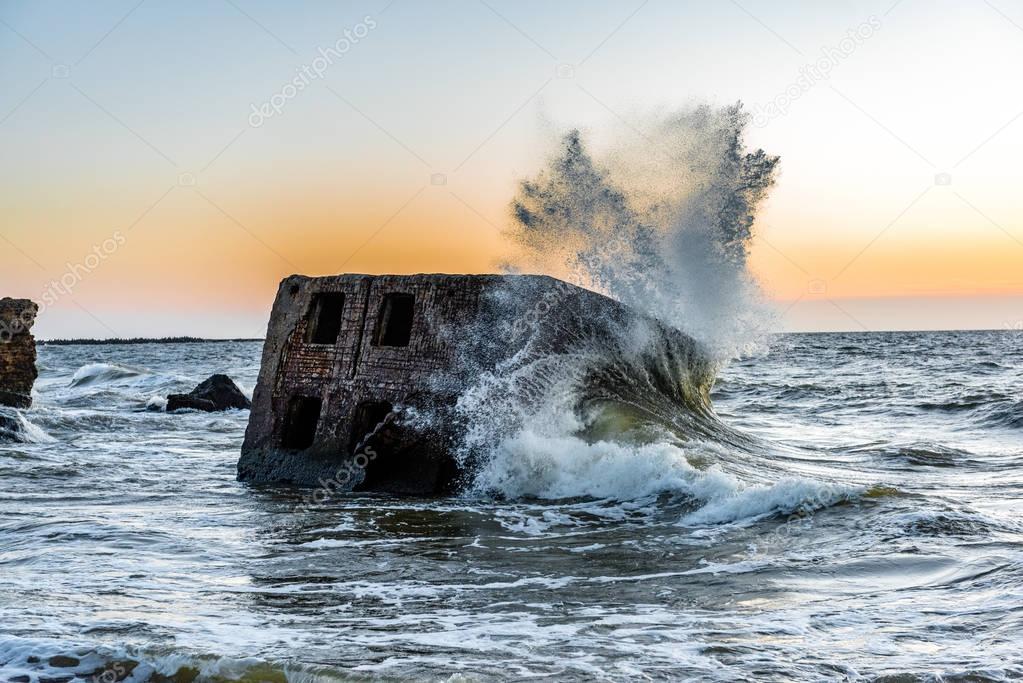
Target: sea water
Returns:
[855, 517]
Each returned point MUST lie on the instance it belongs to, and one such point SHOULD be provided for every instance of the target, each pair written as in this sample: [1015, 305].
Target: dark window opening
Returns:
[376, 439]
[394, 456]
[300, 422]
[394, 326]
[323, 323]
[368, 416]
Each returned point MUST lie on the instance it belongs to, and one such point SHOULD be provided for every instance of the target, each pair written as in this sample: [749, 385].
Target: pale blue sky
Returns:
[105, 105]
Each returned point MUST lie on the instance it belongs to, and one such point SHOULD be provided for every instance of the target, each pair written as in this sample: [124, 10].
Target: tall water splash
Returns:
[624, 411]
[664, 227]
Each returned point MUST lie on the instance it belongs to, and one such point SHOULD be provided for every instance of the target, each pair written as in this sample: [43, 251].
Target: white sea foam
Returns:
[787, 496]
[156, 403]
[530, 465]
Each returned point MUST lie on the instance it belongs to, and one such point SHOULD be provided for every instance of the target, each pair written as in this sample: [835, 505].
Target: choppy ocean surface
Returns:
[871, 530]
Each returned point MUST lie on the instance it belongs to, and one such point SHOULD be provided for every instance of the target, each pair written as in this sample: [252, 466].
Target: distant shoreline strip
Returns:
[140, 340]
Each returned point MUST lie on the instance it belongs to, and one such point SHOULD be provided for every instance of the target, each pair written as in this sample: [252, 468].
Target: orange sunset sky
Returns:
[899, 125]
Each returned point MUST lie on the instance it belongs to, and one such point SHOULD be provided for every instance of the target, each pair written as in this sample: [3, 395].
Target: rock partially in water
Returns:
[117, 671]
[217, 393]
[64, 662]
[17, 352]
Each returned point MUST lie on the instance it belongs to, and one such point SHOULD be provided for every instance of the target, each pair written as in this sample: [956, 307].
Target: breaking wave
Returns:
[528, 465]
[99, 373]
[621, 409]
[156, 403]
[135, 388]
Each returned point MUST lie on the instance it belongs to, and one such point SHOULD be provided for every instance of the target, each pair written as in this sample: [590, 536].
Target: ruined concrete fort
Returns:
[17, 352]
[350, 359]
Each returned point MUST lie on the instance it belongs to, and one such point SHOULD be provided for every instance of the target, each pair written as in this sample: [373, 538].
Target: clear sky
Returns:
[137, 173]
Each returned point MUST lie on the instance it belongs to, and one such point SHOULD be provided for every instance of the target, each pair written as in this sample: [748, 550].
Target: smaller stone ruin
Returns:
[17, 352]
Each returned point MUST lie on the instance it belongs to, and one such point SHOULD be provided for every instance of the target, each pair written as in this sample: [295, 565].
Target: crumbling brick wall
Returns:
[335, 381]
[17, 352]
[332, 381]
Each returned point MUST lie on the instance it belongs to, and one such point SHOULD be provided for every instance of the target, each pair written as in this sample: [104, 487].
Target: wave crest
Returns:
[99, 373]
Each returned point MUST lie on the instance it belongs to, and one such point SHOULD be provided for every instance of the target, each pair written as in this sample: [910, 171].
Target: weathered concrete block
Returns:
[345, 354]
[17, 352]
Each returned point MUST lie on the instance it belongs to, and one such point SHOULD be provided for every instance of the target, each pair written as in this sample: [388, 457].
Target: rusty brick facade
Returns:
[17, 352]
[341, 350]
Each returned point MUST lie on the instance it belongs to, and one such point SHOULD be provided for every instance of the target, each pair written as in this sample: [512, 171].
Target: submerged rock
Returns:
[217, 393]
[17, 352]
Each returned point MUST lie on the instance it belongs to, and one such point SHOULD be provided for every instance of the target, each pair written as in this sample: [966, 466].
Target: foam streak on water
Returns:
[859, 518]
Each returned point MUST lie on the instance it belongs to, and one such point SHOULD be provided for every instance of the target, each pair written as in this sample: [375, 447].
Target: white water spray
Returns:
[621, 414]
[663, 227]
